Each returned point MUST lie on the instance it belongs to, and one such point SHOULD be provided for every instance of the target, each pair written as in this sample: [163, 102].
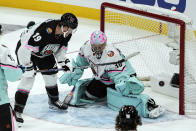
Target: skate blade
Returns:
[56, 109]
[19, 124]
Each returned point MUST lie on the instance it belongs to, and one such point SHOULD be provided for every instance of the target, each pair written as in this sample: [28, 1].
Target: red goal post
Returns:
[121, 15]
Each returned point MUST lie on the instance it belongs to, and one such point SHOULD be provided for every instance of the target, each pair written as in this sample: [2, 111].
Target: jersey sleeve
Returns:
[30, 40]
[8, 64]
[61, 54]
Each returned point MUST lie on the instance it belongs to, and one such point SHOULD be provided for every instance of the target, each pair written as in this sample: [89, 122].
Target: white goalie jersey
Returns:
[110, 54]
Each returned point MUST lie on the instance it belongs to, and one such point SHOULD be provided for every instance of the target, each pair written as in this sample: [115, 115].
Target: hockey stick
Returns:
[69, 96]
[95, 65]
[110, 63]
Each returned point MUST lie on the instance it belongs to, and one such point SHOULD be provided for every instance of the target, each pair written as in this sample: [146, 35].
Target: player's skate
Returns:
[154, 110]
[57, 105]
[19, 119]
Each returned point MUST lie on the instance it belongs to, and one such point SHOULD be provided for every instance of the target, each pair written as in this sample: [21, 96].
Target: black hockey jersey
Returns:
[40, 40]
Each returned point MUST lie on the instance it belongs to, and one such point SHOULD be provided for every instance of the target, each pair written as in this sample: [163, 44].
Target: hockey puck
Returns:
[161, 83]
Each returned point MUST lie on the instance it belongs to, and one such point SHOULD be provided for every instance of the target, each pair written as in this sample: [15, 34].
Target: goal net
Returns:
[167, 46]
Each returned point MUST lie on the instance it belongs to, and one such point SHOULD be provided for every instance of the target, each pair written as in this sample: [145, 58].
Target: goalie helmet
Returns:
[69, 20]
[98, 41]
[98, 37]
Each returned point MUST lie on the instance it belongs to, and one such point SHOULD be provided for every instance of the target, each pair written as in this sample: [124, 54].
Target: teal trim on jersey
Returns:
[10, 75]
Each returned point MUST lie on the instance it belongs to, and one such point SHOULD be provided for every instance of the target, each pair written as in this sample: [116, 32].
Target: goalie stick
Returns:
[70, 95]
[95, 65]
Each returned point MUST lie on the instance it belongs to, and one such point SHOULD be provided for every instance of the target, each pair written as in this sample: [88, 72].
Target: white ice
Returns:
[86, 27]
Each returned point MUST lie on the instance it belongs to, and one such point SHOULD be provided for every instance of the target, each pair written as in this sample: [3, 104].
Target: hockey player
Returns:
[42, 46]
[8, 71]
[118, 81]
[128, 119]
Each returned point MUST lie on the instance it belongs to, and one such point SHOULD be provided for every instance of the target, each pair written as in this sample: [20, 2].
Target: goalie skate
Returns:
[156, 112]
[154, 109]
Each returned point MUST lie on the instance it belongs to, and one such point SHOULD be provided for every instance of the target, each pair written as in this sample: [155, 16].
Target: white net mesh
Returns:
[154, 39]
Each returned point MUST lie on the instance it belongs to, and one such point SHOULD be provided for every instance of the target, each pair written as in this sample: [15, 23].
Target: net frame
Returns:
[180, 22]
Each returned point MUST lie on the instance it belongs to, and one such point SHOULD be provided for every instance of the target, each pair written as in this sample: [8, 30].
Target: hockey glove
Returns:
[22, 68]
[129, 85]
[64, 64]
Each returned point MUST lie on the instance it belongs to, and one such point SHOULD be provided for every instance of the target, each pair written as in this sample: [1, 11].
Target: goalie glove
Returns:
[65, 64]
[129, 85]
[71, 78]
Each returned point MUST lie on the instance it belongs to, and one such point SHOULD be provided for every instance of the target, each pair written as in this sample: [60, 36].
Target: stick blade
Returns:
[68, 98]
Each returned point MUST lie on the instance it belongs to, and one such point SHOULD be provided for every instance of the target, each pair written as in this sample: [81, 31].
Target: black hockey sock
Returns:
[53, 93]
[20, 101]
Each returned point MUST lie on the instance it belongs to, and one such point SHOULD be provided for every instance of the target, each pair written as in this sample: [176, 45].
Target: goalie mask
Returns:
[98, 42]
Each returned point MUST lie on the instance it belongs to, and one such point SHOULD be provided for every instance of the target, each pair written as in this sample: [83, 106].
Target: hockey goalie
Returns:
[116, 81]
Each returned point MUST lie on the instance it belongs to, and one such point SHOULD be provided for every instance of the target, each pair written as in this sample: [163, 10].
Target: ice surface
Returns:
[39, 118]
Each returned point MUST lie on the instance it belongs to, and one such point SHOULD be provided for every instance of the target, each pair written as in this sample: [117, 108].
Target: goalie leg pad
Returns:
[115, 101]
[80, 89]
